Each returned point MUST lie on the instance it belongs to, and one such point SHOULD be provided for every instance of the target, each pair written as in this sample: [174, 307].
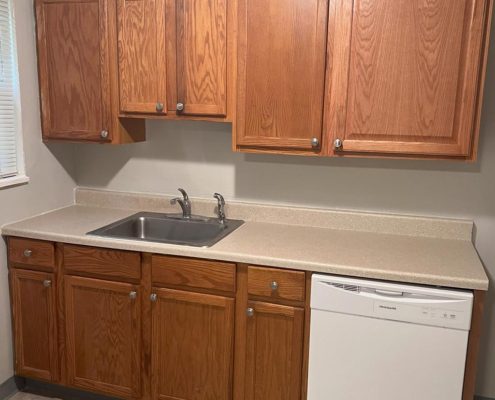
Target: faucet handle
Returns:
[184, 193]
[220, 199]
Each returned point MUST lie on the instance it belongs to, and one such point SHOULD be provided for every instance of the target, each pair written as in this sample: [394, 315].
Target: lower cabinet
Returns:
[34, 324]
[142, 327]
[192, 345]
[274, 351]
[103, 335]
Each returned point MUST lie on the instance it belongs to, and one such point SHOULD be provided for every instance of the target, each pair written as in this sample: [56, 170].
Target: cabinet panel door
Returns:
[281, 73]
[103, 331]
[35, 330]
[192, 346]
[202, 56]
[142, 59]
[405, 75]
[274, 350]
[74, 70]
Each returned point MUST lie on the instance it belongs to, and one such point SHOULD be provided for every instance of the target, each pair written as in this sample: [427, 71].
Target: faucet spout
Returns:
[184, 202]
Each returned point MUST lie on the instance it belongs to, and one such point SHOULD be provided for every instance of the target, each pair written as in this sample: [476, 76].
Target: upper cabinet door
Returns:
[281, 73]
[142, 59]
[405, 75]
[74, 69]
[202, 57]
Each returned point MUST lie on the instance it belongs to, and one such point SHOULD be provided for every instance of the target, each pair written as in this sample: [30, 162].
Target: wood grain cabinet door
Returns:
[103, 334]
[192, 346]
[202, 57]
[274, 351]
[74, 72]
[405, 76]
[281, 74]
[34, 319]
[142, 59]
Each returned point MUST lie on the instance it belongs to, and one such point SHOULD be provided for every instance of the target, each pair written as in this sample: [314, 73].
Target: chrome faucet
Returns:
[221, 207]
[184, 203]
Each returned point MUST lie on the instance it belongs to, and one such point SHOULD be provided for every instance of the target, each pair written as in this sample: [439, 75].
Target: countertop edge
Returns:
[212, 254]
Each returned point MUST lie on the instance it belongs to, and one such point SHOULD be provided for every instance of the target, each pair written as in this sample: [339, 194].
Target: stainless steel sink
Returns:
[169, 228]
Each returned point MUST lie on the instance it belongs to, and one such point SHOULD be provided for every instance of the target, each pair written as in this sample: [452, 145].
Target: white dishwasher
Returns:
[383, 341]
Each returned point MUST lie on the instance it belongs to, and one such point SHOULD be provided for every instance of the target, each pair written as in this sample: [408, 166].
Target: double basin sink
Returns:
[170, 228]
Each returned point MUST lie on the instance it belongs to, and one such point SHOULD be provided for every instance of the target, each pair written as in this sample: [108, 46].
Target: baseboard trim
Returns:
[60, 392]
[8, 388]
[482, 398]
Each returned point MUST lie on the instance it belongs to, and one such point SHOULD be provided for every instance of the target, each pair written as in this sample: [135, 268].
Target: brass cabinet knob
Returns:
[133, 295]
[47, 283]
[250, 312]
[28, 253]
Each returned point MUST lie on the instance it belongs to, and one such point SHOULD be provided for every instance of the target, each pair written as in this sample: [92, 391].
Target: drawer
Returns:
[276, 283]
[102, 263]
[193, 273]
[35, 253]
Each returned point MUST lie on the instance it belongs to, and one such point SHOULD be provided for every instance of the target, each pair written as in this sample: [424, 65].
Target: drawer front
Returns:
[102, 263]
[193, 273]
[276, 283]
[35, 253]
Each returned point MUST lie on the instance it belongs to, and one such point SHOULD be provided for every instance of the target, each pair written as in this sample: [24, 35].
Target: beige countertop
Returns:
[449, 262]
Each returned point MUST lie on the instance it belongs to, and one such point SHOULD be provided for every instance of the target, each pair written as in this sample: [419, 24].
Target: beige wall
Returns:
[197, 156]
[51, 185]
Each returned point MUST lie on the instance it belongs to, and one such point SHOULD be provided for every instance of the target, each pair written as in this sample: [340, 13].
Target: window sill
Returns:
[13, 181]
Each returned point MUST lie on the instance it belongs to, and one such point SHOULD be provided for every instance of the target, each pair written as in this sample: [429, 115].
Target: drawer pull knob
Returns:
[47, 283]
[28, 253]
[250, 312]
[274, 285]
[159, 107]
[104, 134]
[132, 295]
[153, 297]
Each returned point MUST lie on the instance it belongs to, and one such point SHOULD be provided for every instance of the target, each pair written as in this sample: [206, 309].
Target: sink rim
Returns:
[230, 226]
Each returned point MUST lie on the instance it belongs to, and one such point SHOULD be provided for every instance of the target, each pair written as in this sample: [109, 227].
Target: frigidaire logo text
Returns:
[388, 307]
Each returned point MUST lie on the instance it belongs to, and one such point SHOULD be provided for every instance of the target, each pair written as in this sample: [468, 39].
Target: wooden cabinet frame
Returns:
[62, 313]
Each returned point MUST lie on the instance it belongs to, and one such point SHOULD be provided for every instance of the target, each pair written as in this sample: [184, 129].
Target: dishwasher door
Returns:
[381, 341]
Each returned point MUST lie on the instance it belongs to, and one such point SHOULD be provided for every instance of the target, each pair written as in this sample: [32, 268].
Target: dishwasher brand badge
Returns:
[386, 309]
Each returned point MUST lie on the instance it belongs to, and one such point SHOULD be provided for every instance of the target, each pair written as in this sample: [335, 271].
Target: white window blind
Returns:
[8, 94]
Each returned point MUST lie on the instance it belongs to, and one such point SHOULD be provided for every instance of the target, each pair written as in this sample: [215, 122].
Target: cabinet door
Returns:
[202, 56]
[142, 60]
[405, 75]
[103, 330]
[281, 73]
[74, 69]
[192, 346]
[34, 319]
[274, 350]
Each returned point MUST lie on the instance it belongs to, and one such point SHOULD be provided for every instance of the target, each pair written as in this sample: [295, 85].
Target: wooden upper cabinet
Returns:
[142, 59]
[192, 346]
[77, 62]
[406, 76]
[274, 351]
[35, 332]
[202, 56]
[103, 335]
[74, 69]
[173, 57]
[281, 74]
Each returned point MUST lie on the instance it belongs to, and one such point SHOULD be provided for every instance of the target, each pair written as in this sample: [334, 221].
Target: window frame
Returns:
[20, 177]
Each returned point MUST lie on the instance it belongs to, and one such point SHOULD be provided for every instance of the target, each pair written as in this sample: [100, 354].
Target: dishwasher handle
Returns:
[389, 293]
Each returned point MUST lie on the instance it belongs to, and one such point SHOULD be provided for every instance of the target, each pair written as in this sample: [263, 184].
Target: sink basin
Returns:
[169, 228]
